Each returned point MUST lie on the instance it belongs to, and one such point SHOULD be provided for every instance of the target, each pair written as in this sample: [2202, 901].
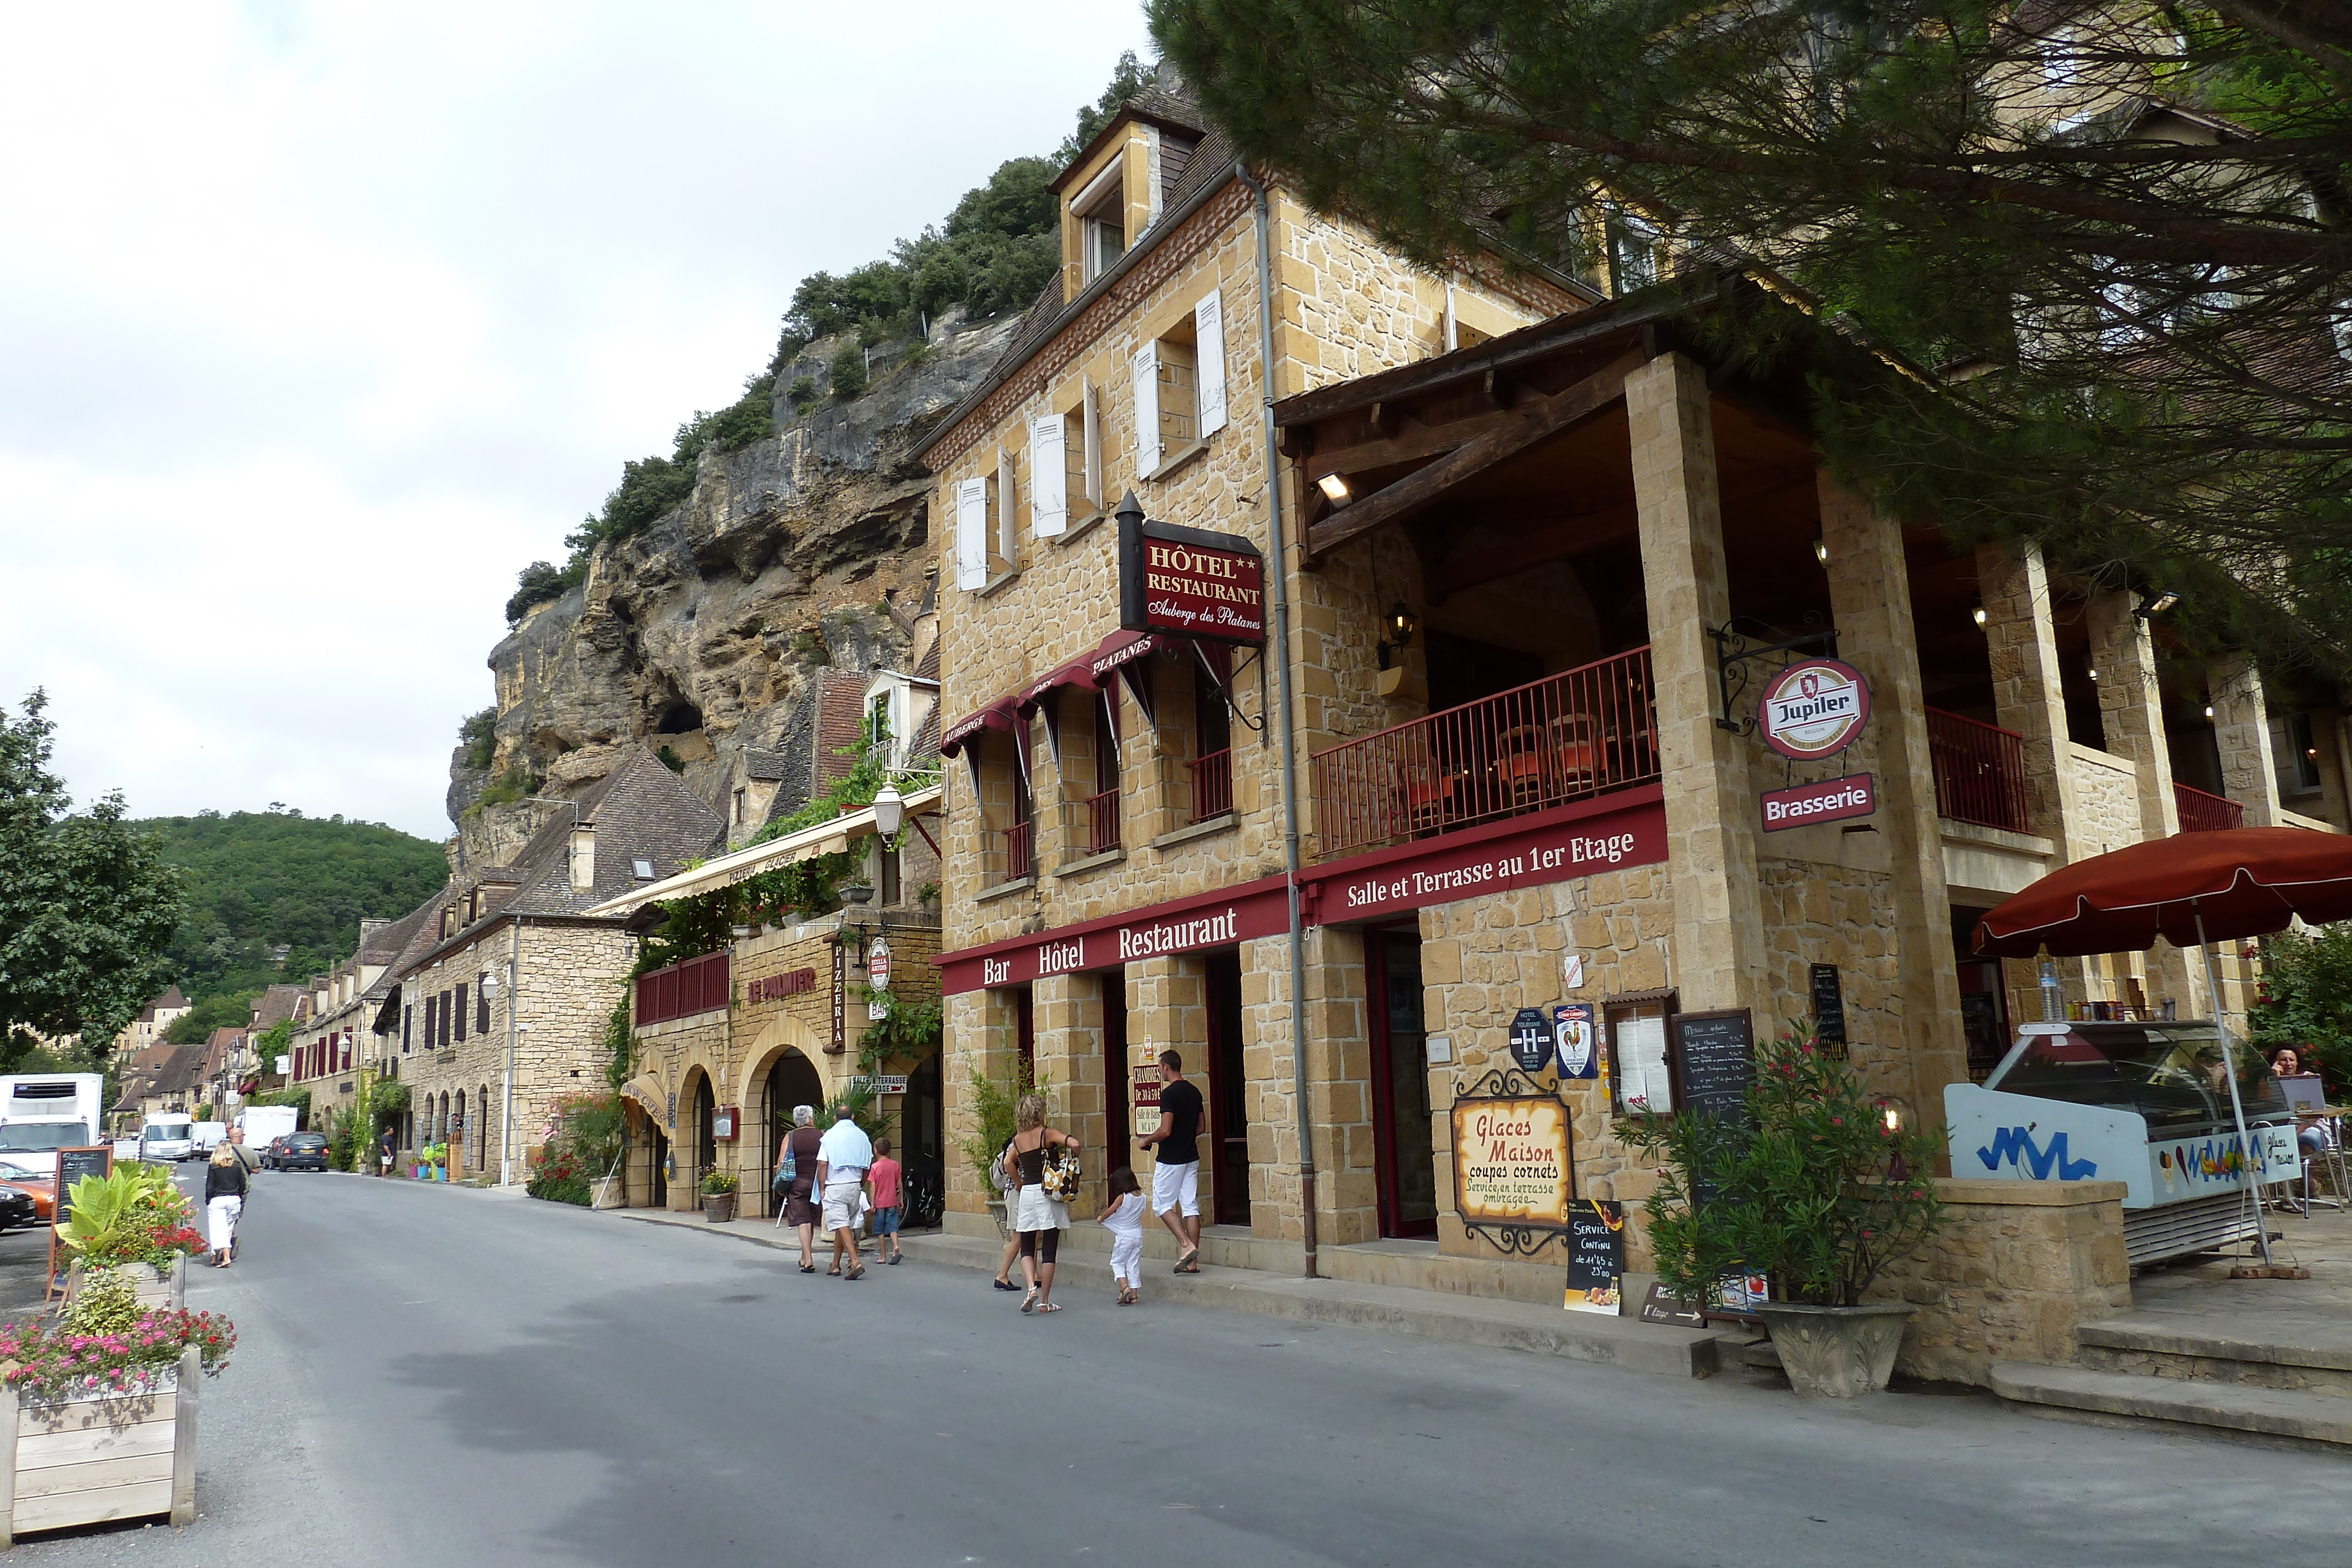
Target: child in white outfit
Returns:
[1122, 1215]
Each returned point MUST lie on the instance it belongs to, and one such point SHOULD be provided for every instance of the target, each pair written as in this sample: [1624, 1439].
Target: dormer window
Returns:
[1101, 213]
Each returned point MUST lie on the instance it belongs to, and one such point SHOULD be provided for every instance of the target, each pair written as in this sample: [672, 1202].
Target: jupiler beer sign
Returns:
[1815, 708]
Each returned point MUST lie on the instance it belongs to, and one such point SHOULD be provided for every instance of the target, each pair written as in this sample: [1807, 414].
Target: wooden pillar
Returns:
[1717, 959]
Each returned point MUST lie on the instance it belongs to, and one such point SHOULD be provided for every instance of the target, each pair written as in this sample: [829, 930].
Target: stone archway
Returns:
[786, 1067]
[698, 1149]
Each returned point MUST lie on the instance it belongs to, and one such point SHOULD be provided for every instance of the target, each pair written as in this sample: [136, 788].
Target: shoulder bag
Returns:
[1060, 1179]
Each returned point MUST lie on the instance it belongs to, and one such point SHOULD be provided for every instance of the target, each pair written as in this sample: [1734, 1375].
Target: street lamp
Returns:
[889, 812]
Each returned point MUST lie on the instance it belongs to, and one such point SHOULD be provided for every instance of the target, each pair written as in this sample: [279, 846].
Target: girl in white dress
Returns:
[1122, 1215]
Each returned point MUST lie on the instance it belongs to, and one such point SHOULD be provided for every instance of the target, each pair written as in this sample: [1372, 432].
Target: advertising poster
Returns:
[1596, 1256]
[1510, 1161]
[1576, 1039]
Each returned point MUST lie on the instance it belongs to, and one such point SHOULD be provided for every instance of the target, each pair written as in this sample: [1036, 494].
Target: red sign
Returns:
[724, 1120]
[877, 965]
[1190, 582]
[775, 987]
[1515, 855]
[1147, 1087]
[1242, 915]
[1814, 708]
[1825, 801]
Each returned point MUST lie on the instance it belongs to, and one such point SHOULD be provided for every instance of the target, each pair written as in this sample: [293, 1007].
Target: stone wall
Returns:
[2017, 1266]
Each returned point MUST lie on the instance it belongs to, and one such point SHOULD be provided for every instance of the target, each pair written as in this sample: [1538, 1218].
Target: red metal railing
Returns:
[1580, 733]
[1102, 822]
[696, 986]
[1979, 771]
[1212, 785]
[2203, 813]
[1019, 843]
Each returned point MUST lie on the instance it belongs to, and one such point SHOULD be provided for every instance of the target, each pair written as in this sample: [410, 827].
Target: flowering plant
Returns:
[1820, 1188]
[56, 1363]
[134, 1215]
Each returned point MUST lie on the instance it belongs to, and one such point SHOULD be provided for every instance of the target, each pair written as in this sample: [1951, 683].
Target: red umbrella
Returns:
[2193, 889]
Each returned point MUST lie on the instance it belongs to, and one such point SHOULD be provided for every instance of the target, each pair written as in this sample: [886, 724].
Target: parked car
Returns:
[299, 1152]
[16, 1207]
[39, 1190]
[271, 1150]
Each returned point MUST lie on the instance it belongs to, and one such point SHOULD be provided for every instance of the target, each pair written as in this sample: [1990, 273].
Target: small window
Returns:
[887, 884]
[1634, 259]
[1100, 210]
[2306, 752]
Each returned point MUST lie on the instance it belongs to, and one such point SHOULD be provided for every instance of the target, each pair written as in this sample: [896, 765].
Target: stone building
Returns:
[1522, 787]
[508, 971]
[153, 1020]
[729, 1042]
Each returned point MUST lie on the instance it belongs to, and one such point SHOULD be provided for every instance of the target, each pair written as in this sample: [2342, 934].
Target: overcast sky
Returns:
[318, 321]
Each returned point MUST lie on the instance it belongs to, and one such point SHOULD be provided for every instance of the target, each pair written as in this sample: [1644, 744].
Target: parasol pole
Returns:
[2230, 1070]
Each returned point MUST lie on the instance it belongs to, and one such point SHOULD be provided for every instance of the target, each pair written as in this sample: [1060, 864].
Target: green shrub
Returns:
[803, 391]
[847, 370]
[671, 759]
[479, 735]
[106, 1302]
[517, 783]
[534, 585]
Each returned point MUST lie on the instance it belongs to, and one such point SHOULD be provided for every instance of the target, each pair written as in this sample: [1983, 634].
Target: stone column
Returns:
[1067, 1016]
[2131, 710]
[1339, 1088]
[2241, 734]
[1870, 595]
[1718, 935]
[1168, 1006]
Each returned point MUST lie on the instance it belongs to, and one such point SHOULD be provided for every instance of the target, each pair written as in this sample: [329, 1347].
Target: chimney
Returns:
[583, 858]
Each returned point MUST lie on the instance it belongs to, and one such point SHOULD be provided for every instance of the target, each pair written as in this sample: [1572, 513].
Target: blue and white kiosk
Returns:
[2146, 1105]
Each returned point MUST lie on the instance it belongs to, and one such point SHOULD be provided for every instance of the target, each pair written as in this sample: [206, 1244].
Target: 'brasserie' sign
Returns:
[1190, 582]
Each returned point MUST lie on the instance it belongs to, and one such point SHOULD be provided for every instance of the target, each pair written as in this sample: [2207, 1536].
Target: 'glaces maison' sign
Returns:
[1188, 583]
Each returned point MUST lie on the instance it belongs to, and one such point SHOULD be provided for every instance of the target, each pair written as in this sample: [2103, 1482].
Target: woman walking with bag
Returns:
[799, 1152]
[224, 1201]
[1046, 1161]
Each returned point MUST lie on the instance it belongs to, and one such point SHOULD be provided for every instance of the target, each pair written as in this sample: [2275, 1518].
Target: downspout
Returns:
[1286, 723]
[514, 1006]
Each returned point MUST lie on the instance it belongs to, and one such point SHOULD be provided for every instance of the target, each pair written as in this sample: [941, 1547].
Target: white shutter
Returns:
[1008, 525]
[972, 534]
[1049, 479]
[1208, 340]
[1146, 410]
[1093, 446]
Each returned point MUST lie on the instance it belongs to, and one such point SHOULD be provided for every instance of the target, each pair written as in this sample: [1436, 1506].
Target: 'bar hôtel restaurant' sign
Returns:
[1188, 581]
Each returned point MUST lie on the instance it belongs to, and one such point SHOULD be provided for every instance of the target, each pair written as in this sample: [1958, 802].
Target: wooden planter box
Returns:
[97, 1457]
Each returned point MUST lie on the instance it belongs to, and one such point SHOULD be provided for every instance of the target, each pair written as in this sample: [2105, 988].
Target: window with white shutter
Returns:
[1093, 445]
[972, 534]
[1146, 410]
[1049, 477]
[1008, 524]
[1209, 367]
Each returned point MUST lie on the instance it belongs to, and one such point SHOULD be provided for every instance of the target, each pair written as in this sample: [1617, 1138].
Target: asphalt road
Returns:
[451, 1377]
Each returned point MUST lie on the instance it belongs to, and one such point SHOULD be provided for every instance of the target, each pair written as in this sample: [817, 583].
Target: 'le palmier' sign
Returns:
[1189, 581]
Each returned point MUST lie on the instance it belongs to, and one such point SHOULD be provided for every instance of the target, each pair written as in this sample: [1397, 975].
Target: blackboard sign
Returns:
[1596, 1231]
[1531, 1038]
[1716, 1050]
[1829, 1008]
[97, 1160]
[1658, 1307]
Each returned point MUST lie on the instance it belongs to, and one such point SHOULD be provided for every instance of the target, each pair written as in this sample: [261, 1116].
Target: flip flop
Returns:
[808, 1268]
[1190, 1264]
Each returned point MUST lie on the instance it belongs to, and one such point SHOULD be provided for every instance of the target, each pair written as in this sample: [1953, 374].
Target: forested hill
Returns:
[258, 880]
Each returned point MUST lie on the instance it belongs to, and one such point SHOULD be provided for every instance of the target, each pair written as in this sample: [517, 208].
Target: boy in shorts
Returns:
[884, 1178]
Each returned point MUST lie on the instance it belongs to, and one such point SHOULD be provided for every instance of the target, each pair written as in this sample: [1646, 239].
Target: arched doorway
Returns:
[706, 1141]
[482, 1127]
[792, 1080]
[921, 1132]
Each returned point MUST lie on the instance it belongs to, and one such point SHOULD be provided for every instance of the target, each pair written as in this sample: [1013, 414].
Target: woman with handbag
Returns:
[797, 1176]
[1046, 1162]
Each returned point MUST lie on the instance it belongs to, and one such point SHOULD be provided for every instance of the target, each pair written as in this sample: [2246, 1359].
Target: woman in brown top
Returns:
[800, 1205]
[1040, 1219]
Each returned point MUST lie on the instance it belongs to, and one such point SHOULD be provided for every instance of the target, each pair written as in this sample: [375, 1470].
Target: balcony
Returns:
[1568, 737]
[1979, 771]
[1212, 785]
[696, 986]
[2203, 813]
[1102, 821]
[1017, 851]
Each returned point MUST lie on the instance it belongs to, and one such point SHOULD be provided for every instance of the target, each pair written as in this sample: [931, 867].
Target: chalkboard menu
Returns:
[1829, 1008]
[1596, 1230]
[1716, 1051]
[75, 1164]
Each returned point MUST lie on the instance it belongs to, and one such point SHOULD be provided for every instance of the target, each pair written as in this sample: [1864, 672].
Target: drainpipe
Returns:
[514, 1006]
[1286, 725]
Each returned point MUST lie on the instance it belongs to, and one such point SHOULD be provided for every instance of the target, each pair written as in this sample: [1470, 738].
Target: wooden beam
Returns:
[1513, 433]
[1498, 389]
[1548, 543]
[1385, 417]
[1410, 440]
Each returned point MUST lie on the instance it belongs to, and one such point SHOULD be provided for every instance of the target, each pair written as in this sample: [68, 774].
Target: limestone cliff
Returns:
[707, 631]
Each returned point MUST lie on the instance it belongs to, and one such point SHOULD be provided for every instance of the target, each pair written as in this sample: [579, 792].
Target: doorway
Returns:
[791, 1081]
[1228, 1092]
[705, 1139]
[1984, 1004]
[661, 1165]
[1118, 1129]
[921, 1124]
[1403, 1148]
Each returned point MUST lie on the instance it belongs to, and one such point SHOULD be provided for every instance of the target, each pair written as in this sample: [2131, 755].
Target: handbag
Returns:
[787, 1170]
[1060, 1178]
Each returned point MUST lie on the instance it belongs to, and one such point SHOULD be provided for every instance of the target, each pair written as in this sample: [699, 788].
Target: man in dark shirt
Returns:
[1176, 1161]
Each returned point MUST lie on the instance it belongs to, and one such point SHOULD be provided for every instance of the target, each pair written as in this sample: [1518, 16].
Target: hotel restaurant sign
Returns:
[1610, 835]
[1189, 583]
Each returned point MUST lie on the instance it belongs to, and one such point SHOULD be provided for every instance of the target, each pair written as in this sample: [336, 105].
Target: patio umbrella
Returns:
[2192, 889]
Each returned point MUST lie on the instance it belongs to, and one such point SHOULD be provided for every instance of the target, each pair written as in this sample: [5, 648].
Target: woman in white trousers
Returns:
[224, 1201]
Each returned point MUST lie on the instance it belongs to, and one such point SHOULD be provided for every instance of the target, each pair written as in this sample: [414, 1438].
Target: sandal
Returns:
[1029, 1303]
[856, 1273]
[1050, 1307]
[808, 1268]
[1190, 1264]
[834, 1272]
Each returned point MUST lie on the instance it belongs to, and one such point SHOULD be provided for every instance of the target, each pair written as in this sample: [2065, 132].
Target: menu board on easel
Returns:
[1715, 1053]
[1596, 1257]
[93, 1160]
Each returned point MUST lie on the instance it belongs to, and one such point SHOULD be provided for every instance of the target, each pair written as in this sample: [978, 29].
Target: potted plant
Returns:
[993, 1104]
[435, 1163]
[132, 1216]
[1818, 1191]
[717, 1197]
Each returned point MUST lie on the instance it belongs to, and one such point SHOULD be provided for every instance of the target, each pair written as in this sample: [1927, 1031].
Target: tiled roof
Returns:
[758, 764]
[840, 714]
[276, 1003]
[928, 669]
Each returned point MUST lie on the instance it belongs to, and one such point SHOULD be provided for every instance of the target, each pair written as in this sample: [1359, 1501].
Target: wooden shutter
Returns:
[1008, 530]
[1208, 340]
[1049, 507]
[972, 534]
[460, 1020]
[481, 1010]
[432, 1010]
[1093, 446]
[1146, 410]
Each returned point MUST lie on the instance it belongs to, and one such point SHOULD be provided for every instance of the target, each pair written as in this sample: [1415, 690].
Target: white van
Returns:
[41, 1113]
[167, 1137]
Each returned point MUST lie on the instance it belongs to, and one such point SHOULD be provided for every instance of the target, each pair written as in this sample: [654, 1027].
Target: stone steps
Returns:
[2156, 1345]
[1450, 1319]
[2296, 1414]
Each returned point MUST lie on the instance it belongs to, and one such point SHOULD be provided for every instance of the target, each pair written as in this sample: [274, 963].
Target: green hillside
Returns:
[262, 879]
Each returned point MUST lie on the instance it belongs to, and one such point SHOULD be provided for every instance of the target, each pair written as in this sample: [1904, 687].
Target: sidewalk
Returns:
[1534, 1329]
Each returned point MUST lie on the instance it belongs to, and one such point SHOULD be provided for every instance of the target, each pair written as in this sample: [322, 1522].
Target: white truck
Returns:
[259, 1123]
[41, 1113]
[210, 1135]
[167, 1137]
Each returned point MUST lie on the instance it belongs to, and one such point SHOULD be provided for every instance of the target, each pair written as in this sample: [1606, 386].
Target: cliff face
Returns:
[709, 630]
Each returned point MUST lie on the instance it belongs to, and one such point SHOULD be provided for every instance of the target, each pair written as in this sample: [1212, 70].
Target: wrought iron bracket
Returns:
[1517, 1241]
[1733, 648]
[1512, 1081]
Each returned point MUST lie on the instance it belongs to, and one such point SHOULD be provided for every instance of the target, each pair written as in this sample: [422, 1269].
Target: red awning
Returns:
[997, 716]
[2188, 888]
[1091, 670]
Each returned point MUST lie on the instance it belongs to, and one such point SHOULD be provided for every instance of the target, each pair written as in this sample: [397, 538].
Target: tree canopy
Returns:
[86, 901]
[2110, 240]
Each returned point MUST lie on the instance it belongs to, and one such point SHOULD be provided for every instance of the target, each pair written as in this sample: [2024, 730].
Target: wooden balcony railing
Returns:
[696, 986]
[1018, 847]
[1580, 733]
[1979, 771]
[2203, 813]
[1212, 785]
[1102, 822]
